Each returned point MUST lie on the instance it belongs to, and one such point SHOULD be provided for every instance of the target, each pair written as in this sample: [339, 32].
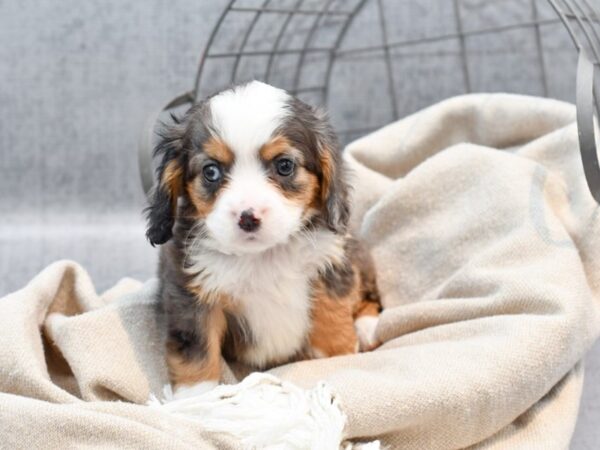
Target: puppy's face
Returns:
[255, 166]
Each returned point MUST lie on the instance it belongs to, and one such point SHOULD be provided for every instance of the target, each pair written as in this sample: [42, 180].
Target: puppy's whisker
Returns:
[197, 233]
[305, 234]
[189, 233]
[193, 247]
[310, 236]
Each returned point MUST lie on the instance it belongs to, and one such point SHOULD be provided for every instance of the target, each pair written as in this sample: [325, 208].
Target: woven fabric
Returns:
[485, 240]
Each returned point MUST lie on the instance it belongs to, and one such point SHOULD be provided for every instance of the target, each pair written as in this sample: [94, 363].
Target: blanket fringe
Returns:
[265, 412]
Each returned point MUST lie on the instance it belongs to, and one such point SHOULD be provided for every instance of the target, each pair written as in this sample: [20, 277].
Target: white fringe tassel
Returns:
[266, 412]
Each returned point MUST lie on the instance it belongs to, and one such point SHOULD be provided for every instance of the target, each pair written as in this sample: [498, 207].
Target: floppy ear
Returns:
[169, 185]
[334, 186]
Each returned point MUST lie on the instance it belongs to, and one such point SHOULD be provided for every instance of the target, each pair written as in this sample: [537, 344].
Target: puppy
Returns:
[251, 202]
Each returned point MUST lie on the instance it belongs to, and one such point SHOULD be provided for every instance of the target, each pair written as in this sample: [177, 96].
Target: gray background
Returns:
[78, 79]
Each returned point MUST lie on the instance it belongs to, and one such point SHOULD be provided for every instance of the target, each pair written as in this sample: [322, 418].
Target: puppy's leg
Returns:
[368, 307]
[332, 330]
[335, 294]
[366, 311]
[194, 349]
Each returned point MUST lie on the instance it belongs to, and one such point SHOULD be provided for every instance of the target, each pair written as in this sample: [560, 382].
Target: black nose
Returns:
[248, 221]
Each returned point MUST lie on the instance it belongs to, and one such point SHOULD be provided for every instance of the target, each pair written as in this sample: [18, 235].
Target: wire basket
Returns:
[370, 62]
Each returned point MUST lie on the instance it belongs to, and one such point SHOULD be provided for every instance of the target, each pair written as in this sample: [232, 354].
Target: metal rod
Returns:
[411, 54]
[585, 124]
[249, 30]
[540, 47]
[463, 47]
[590, 40]
[587, 144]
[336, 45]
[282, 31]
[588, 37]
[388, 61]
[290, 51]
[586, 19]
[307, 41]
[566, 23]
[211, 38]
[594, 29]
[292, 11]
[448, 36]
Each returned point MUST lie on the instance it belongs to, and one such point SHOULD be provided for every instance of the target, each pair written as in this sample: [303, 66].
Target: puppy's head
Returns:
[254, 166]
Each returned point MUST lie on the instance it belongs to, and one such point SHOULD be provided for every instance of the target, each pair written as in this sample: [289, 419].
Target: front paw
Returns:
[365, 331]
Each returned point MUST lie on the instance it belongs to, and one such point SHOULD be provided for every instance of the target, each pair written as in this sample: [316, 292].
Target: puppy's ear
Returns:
[168, 187]
[334, 185]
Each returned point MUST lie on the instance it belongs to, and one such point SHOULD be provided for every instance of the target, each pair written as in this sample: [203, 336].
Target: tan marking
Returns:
[207, 368]
[172, 180]
[275, 147]
[219, 151]
[223, 301]
[332, 330]
[308, 182]
[203, 205]
[328, 173]
[366, 308]
[309, 189]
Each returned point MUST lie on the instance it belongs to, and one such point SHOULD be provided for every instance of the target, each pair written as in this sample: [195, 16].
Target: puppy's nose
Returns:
[248, 221]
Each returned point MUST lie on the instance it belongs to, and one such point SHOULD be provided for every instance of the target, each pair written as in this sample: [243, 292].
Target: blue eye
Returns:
[212, 173]
[284, 166]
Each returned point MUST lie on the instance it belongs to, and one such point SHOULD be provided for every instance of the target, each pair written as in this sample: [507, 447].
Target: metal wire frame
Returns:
[288, 18]
[334, 51]
[585, 17]
[307, 42]
[580, 10]
[580, 18]
[287, 15]
[538, 43]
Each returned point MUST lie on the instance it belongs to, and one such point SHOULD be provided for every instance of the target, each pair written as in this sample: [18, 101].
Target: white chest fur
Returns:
[272, 290]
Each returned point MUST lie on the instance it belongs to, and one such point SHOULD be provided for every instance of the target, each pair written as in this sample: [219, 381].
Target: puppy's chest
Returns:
[273, 300]
[278, 318]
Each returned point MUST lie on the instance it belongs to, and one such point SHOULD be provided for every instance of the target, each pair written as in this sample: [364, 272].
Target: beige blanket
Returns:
[487, 244]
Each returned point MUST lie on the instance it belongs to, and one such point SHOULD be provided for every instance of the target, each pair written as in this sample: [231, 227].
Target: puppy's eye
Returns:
[212, 173]
[284, 166]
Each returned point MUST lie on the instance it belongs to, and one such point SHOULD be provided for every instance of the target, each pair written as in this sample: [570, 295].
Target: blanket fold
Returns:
[485, 239]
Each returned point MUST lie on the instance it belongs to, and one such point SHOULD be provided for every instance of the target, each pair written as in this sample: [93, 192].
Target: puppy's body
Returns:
[253, 201]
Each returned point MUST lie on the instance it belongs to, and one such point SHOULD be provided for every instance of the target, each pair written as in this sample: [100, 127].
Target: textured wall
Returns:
[77, 80]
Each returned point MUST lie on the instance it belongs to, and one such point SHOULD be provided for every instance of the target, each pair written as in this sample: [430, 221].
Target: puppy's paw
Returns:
[365, 331]
[187, 391]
